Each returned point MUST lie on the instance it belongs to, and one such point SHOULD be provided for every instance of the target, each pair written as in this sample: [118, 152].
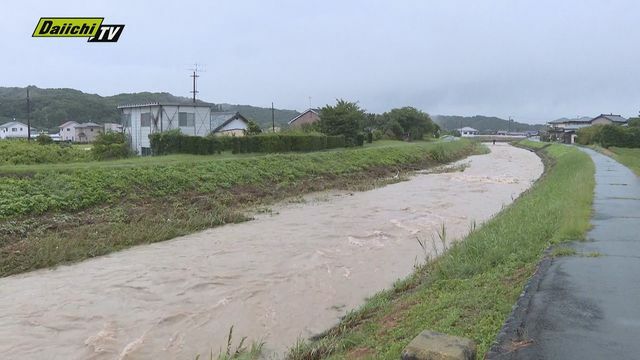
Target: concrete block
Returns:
[431, 345]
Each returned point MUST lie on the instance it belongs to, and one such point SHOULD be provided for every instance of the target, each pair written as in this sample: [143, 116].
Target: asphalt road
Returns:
[585, 307]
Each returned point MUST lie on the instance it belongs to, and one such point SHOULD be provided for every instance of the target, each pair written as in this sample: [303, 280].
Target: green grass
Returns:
[50, 217]
[469, 291]
[628, 157]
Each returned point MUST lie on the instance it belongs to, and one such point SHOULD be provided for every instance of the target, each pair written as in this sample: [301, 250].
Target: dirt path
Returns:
[288, 274]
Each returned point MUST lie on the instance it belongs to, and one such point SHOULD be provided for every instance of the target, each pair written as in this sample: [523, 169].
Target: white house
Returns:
[139, 121]
[468, 131]
[231, 123]
[68, 131]
[112, 127]
[16, 130]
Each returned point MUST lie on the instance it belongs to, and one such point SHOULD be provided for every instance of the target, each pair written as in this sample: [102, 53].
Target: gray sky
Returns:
[533, 60]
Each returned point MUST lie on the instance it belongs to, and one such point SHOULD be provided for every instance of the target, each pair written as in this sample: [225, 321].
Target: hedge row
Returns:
[610, 135]
[173, 142]
[278, 143]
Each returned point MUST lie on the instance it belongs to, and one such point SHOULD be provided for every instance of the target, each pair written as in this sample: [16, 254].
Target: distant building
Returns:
[565, 130]
[68, 131]
[87, 132]
[112, 127]
[139, 121]
[308, 116]
[231, 123]
[468, 131]
[16, 130]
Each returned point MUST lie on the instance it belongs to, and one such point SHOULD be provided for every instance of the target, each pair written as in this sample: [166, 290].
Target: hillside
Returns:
[52, 107]
[482, 123]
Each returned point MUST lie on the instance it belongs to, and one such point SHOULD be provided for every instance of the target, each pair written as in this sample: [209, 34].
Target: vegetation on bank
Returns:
[627, 157]
[611, 135]
[14, 152]
[469, 291]
[61, 214]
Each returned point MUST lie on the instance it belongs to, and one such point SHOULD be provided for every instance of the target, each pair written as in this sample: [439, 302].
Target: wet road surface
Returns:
[589, 307]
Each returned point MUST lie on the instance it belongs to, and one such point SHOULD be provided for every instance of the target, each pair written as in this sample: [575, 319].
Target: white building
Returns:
[139, 121]
[68, 131]
[468, 131]
[16, 130]
[112, 127]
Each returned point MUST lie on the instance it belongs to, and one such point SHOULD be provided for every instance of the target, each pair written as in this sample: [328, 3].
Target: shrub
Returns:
[21, 152]
[110, 145]
[369, 137]
[174, 142]
[610, 135]
[44, 139]
[359, 140]
[286, 142]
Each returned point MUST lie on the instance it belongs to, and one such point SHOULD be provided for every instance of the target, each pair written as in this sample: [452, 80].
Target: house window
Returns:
[91, 129]
[14, 129]
[145, 120]
[186, 119]
[68, 129]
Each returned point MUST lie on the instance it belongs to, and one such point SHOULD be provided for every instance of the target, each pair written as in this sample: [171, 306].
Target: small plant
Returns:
[240, 352]
[563, 251]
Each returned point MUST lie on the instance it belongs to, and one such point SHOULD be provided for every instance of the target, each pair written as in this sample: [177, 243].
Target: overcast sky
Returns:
[533, 60]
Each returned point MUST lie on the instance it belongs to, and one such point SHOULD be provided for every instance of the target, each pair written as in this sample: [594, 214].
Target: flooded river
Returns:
[287, 274]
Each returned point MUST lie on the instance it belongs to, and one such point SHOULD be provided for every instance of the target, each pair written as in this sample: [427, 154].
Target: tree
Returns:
[414, 123]
[634, 122]
[345, 118]
[110, 145]
[253, 128]
[44, 139]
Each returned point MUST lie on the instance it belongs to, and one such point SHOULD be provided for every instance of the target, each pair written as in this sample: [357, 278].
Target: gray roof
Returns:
[614, 118]
[86, 125]
[13, 123]
[225, 117]
[163, 104]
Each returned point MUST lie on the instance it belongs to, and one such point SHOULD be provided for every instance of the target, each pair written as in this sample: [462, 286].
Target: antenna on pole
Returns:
[28, 115]
[195, 75]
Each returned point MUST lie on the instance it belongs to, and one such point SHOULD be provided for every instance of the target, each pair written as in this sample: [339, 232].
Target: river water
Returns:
[287, 274]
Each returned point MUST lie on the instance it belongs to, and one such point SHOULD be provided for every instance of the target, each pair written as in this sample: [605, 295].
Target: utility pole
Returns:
[510, 123]
[28, 115]
[273, 119]
[195, 75]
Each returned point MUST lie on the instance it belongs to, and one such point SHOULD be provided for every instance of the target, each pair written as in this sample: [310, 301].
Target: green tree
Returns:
[345, 118]
[414, 122]
[634, 122]
[253, 128]
[44, 139]
[110, 145]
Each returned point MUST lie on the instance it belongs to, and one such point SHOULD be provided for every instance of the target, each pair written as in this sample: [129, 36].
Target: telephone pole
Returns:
[195, 75]
[273, 119]
[28, 115]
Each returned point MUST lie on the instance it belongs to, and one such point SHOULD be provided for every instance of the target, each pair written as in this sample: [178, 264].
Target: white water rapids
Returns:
[287, 274]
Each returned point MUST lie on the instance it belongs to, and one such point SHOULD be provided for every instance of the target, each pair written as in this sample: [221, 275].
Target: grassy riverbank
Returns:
[470, 290]
[626, 156]
[69, 212]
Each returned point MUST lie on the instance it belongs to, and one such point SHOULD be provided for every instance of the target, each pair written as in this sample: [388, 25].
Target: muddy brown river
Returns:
[288, 274]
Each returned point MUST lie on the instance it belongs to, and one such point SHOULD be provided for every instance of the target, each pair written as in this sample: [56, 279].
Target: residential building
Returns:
[308, 116]
[87, 132]
[112, 127]
[565, 130]
[68, 131]
[468, 131]
[16, 130]
[230, 123]
[139, 121]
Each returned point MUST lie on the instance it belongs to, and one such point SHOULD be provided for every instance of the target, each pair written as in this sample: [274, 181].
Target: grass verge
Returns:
[626, 156]
[469, 291]
[53, 217]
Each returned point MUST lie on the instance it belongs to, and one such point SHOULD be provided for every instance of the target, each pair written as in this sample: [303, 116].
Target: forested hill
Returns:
[52, 107]
[482, 123]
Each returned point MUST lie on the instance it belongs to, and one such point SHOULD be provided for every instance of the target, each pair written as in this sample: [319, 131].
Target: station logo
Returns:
[91, 28]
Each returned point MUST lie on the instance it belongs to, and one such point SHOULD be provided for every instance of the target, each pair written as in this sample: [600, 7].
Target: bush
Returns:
[359, 140]
[377, 135]
[610, 135]
[174, 142]
[21, 152]
[44, 139]
[286, 142]
[369, 137]
[110, 145]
